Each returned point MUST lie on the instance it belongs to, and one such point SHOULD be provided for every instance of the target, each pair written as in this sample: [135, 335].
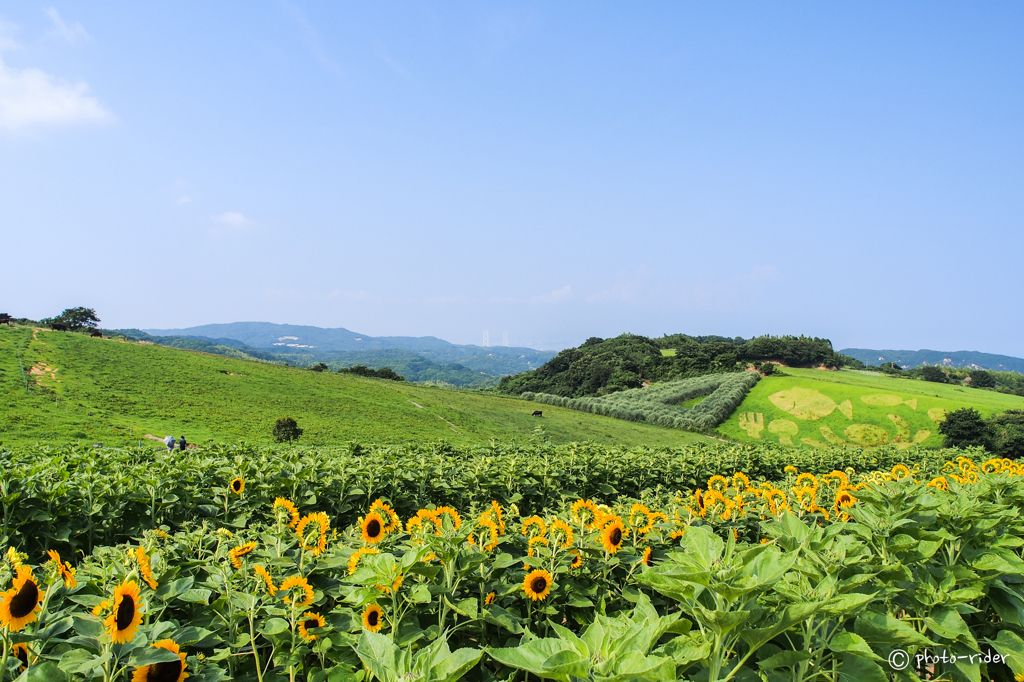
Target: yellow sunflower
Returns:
[452, 515]
[20, 605]
[236, 553]
[300, 583]
[145, 567]
[307, 622]
[939, 482]
[561, 533]
[537, 584]
[583, 513]
[646, 560]
[237, 486]
[845, 499]
[373, 618]
[168, 671]
[900, 471]
[498, 516]
[323, 524]
[372, 527]
[640, 519]
[740, 481]
[267, 580]
[534, 526]
[20, 652]
[66, 571]
[385, 510]
[577, 560]
[489, 599]
[127, 615]
[718, 483]
[612, 536]
[486, 521]
[353, 561]
[286, 509]
[806, 480]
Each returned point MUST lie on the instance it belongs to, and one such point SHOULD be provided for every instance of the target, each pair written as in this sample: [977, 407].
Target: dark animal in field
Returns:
[538, 413]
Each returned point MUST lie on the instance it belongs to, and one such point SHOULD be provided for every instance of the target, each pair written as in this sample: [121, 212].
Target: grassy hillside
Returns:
[812, 407]
[62, 387]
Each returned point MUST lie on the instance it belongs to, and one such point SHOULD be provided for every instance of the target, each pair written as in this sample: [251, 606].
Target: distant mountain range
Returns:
[418, 358]
[960, 358]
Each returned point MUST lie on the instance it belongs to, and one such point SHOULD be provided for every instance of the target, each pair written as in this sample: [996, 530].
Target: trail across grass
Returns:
[62, 387]
[817, 408]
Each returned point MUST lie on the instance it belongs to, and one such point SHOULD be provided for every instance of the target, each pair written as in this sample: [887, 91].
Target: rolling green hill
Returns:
[816, 408]
[60, 387]
[958, 358]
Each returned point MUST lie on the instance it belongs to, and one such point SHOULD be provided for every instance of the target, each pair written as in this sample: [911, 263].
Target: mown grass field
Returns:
[816, 408]
[59, 387]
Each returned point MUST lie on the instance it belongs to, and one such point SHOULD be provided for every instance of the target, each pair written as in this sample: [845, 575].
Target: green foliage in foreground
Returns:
[59, 387]
[660, 404]
[821, 409]
[77, 498]
[915, 569]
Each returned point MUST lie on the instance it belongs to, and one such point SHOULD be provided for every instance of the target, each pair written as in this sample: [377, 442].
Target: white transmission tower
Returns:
[487, 339]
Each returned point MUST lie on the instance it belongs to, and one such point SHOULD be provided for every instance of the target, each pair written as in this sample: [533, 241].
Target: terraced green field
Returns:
[817, 408]
[59, 387]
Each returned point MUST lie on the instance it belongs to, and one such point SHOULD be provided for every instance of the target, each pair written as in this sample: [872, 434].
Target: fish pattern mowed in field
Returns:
[816, 408]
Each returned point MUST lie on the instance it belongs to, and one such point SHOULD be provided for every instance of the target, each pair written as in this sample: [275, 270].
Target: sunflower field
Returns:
[272, 565]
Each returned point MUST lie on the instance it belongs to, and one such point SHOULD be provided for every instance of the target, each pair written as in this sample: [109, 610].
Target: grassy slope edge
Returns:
[102, 390]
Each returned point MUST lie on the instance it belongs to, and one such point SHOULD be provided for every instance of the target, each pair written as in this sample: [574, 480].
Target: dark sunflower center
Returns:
[125, 612]
[22, 654]
[236, 485]
[25, 601]
[312, 623]
[373, 528]
[615, 536]
[168, 671]
[539, 584]
[372, 617]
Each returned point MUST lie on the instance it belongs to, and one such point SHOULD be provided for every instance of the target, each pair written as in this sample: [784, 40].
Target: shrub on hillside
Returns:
[965, 428]
[286, 430]
[934, 374]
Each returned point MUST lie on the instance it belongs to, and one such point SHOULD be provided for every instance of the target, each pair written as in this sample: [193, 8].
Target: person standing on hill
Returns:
[182, 444]
[169, 442]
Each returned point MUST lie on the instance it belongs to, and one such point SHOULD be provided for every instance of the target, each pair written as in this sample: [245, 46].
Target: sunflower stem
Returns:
[252, 641]
[6, 652]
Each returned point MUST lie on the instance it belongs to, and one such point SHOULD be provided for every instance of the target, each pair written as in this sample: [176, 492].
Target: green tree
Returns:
[933, 374]
[286, 430]
[982, 379]
[319, 367]
[1008, 433]
[965, 428]
[5, 318]
[73, 319]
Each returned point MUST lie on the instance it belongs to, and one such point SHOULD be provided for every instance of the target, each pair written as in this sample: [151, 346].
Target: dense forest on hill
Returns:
[602, 366]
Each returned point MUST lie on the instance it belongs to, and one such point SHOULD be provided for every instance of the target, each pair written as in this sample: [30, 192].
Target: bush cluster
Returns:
[659, 404]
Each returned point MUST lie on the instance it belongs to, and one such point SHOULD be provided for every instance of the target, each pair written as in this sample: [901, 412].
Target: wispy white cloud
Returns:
[184, 199]
[73, 33]
[32, 97]
[310, 37]
[233, 220]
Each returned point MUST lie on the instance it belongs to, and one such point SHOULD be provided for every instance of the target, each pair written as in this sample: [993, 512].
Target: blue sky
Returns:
[553, 170]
